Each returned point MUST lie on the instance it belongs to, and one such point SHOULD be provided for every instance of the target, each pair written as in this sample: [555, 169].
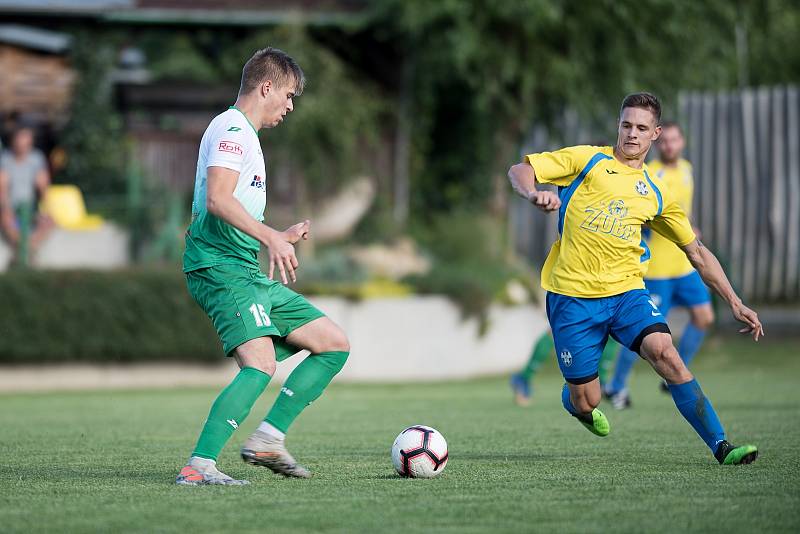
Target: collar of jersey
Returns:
[245, 118]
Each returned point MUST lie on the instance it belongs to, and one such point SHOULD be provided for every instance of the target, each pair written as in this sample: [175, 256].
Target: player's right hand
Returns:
[281, 254]
[544, 200]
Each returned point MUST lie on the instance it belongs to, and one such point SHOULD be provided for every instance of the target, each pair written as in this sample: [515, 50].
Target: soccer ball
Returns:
[419, 452]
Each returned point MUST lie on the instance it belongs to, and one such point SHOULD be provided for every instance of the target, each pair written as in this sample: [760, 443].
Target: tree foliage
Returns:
[93, 137]
[336, 120]
[484, 72]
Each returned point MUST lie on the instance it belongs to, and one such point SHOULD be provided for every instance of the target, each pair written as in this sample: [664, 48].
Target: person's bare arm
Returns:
[712, 274]
[42, 181]
[523, 180]
[4, 200]
[6, 211]
[220, 202]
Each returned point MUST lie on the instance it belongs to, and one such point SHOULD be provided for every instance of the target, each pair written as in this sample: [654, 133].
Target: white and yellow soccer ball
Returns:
[419, 452]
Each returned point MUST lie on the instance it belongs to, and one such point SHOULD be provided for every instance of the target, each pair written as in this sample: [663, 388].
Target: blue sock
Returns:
[690, 343]
[567, 402]
[622, 370]
[696, 408]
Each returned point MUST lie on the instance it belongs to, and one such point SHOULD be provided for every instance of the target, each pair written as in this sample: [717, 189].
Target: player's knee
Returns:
[656, 347]
[336, 341]
[703, 317]
[262, 364]
[258, 354]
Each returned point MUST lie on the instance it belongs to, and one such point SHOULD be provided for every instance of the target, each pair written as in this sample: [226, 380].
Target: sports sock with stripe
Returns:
[303, 386]
[229, 411]
[697, 410]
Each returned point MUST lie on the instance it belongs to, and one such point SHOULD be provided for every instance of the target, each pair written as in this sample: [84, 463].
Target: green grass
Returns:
[106, 461]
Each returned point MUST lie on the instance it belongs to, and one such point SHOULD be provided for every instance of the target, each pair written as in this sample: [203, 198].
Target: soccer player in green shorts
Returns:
[259, 320]
[544, 348]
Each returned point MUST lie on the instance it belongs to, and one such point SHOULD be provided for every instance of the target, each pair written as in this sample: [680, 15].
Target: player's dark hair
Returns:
[644, 101]
[671, 124]
[271, 64]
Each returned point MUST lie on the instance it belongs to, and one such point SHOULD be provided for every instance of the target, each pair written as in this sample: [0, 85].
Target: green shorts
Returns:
[244, 304]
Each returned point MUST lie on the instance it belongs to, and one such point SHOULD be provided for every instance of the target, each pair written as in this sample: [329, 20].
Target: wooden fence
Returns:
[745, 148]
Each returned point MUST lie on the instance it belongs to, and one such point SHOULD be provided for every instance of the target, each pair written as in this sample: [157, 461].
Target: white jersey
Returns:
[231, 142]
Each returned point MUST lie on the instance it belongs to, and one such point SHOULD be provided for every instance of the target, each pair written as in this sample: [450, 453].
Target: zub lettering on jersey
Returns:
[607, 218]
[258, 182]
[230, 146]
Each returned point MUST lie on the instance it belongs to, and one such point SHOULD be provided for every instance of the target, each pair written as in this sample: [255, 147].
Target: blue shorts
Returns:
[686, 291]
[581, 327]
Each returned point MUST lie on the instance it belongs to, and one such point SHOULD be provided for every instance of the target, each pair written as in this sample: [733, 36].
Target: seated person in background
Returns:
[23, 174]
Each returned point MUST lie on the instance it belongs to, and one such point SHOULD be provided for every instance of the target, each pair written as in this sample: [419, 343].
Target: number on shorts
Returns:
[259, 315]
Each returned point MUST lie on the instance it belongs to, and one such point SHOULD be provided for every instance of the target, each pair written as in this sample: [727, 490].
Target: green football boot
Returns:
[595, 422]
[728, 454]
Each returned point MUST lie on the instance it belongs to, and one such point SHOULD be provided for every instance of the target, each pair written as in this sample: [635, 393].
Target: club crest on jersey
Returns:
[617, 208]
[641, 188]
[258, 182]
[566, 357]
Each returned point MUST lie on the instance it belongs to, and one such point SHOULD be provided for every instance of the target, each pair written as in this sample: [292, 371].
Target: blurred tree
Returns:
[485, 71]
[93, 137]
[337, 121]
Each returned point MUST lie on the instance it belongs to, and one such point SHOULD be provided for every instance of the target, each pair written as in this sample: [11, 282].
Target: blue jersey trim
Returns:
[658, 193]
[646, 254]
[565, 193]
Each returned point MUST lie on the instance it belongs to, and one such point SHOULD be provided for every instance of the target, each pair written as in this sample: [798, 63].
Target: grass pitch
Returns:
[106, 461]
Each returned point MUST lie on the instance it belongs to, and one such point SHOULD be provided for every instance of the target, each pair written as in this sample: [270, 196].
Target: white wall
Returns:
[425, 338]
[103, 248]
[392, 340]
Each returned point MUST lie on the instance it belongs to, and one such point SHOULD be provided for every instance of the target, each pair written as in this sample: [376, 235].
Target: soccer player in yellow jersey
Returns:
[670, 279]
[594, 272]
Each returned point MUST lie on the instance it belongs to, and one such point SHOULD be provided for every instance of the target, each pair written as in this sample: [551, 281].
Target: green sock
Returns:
[607, 359]
[229, 410]
[543, 348]
[304, 386]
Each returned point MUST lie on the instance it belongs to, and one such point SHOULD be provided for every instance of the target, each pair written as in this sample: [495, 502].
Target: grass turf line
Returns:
[105, 461]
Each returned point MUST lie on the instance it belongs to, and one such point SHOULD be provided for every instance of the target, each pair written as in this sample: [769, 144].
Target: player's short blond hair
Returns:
[271, 64]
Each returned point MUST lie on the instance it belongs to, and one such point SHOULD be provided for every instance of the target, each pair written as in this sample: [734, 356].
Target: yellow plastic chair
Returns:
[65, 205]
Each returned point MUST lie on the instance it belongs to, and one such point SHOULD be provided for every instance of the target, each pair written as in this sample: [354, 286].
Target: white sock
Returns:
[270, 430]
[204, 462]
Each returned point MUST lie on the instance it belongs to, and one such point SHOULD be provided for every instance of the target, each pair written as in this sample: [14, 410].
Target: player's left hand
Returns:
[298, 231]
[750, 318]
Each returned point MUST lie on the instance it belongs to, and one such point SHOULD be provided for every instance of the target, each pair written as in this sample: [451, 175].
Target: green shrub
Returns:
[68, 316]
[469, 263]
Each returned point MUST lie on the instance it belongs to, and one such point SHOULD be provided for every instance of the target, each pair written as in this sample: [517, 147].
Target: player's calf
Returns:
[580, 400]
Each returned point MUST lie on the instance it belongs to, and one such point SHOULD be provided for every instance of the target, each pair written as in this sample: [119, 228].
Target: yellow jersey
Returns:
[604, 204]
[668, 260]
